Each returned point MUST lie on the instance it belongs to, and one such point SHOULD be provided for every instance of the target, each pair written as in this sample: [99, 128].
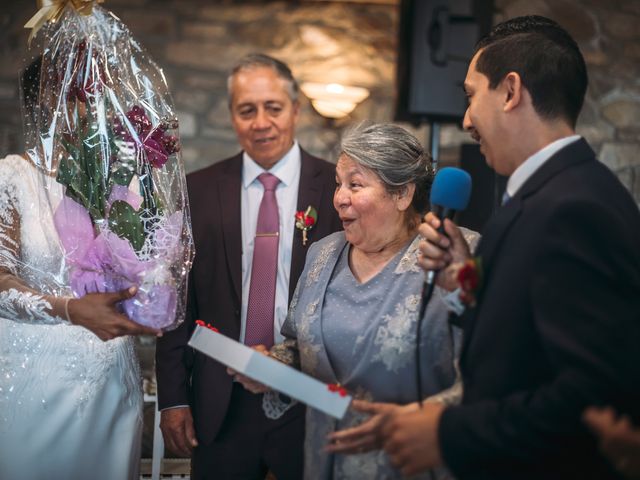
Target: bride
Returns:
[70, 391]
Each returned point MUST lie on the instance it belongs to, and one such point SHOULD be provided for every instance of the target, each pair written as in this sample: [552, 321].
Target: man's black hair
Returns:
[547, 59]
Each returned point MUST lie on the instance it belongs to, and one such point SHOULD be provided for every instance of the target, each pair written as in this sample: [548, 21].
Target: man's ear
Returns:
[296, 108]
[404, 197]
[512, 87]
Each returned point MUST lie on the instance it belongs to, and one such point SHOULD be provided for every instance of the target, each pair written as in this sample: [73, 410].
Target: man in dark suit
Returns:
[555, 326]
[233, 438]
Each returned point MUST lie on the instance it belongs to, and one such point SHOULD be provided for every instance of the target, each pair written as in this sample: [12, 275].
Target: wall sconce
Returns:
[333, 100]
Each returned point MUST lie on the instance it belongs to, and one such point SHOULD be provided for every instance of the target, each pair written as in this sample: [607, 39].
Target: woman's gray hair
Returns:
[260, 60]
[395, 155]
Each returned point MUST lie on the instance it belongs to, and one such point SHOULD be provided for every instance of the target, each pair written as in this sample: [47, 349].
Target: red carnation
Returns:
[305, 220]
[470, 279]
[468, 276]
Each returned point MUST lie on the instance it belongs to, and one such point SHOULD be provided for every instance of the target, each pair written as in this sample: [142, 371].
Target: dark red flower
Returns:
[156, 143]
[170, 144]
[468, 276]
[309, 222]
[87, 76]
[139, 120]
[156, 155]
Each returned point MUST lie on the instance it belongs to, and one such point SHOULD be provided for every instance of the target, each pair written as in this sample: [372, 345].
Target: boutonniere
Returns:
[470, 280]
[305, 220]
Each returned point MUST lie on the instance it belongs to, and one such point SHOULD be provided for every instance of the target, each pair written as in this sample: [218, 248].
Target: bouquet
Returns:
[104, 127]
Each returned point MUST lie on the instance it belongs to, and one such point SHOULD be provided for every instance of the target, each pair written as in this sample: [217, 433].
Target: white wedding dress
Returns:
[70, 404]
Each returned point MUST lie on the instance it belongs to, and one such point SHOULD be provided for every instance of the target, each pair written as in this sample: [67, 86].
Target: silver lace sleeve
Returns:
[452, 395]
[287, 351]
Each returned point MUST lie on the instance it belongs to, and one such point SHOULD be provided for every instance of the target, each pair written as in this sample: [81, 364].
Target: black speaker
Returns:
[487, 188]
[436, 42]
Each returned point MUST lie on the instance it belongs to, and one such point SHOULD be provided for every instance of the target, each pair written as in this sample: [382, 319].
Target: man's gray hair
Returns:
[393, 154]
[260, 60]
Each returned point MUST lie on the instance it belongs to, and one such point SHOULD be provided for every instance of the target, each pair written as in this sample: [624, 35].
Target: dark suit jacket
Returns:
[556, 327]
[186, 377]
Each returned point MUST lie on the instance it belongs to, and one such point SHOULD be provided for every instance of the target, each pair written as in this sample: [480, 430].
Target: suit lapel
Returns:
[309, 193]
[499, 224]
[229, 201]
[505, 217]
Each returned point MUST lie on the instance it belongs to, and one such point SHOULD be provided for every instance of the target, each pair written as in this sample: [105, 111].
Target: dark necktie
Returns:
[264, 268]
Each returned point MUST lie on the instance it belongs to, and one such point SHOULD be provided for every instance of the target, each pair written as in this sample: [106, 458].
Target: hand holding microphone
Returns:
[444, 244]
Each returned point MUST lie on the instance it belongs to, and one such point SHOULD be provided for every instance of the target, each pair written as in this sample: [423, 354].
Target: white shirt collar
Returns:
[534, 162]
[285, 169]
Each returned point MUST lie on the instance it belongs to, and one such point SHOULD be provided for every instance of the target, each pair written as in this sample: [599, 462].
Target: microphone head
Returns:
[451, 189]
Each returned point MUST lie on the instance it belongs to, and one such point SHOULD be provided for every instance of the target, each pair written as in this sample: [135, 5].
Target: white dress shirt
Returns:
[288, 172]
[534, 162]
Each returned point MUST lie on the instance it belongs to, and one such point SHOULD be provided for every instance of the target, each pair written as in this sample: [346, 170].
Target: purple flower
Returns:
[108, 263]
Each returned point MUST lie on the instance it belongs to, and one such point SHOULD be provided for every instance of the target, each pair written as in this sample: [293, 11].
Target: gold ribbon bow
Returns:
[51, 10]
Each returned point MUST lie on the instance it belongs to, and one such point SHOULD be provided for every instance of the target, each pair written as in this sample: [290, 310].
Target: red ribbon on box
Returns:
[335, 387]
[207, 325]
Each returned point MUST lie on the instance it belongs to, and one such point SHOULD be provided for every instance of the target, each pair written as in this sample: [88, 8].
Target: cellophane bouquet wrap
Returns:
[105, 128]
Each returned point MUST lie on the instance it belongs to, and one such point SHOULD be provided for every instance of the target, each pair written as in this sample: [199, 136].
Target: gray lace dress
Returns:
[363, 337]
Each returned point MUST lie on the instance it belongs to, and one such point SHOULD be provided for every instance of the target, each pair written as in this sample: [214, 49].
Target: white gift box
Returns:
[270, 372]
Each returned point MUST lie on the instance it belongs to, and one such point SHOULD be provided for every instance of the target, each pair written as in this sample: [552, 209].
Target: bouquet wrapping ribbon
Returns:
[51, 10]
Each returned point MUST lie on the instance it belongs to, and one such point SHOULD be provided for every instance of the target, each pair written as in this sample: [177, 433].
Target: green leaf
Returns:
[311, 212]
[123, 174]
[125, 222]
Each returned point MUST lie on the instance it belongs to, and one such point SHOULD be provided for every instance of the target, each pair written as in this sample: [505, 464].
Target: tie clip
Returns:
[274, 234]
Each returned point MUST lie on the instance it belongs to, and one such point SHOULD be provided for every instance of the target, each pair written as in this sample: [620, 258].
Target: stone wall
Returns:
[196, 41]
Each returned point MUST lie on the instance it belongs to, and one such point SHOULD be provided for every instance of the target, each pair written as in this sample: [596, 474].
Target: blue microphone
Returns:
[450, 193]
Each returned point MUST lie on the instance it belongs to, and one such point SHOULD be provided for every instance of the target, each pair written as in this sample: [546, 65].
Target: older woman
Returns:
[353, 317]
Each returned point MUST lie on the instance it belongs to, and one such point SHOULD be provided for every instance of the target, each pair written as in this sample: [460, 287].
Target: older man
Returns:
[249, 257]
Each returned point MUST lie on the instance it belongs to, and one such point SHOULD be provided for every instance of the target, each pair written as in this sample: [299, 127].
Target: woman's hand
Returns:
[366, 436]
[249, 384]
[444, 253]
[98, 312]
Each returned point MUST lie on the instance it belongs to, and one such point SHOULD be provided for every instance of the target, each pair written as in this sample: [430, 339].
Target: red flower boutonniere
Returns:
[470, 280]
[305, 220]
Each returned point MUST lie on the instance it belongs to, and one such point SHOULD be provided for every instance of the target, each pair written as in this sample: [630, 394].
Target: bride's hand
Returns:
[246, 382]
[98, 312]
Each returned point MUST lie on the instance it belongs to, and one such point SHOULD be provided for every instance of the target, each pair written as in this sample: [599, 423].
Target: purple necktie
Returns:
[264, 269]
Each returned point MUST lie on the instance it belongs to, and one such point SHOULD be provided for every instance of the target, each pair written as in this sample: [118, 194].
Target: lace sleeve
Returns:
[451, 395]
[287, 351]
[18, 302]
[472, 238]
